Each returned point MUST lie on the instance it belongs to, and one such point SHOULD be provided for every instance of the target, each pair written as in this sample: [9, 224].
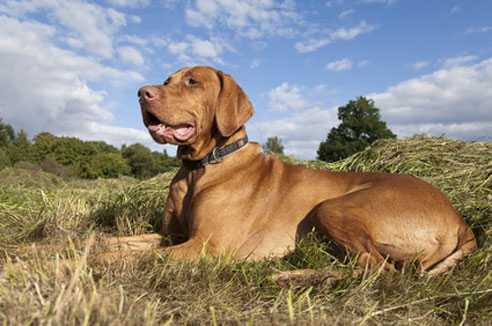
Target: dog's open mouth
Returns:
[180, 132]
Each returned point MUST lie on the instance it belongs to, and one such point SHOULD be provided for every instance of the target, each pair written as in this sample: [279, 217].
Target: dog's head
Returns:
[196, 108]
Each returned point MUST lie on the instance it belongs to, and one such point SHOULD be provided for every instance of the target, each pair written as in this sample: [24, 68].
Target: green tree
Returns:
[7, 134]
[140, 160]
[44, 142]
[85, 159]
[70, 156]
[273, 144]
[44, 137]
[20, 149]
[104, 147]
[4, 158]
[164, 162]
[109, 165]
[360, 126]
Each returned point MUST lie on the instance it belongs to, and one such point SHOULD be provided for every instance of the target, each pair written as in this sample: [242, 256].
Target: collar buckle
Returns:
[215, 157]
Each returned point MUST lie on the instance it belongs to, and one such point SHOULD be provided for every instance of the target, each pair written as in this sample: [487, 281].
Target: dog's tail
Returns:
[466, 245]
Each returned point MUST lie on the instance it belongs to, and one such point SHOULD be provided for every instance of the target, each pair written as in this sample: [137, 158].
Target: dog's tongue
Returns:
[155, 127]
[181, 132]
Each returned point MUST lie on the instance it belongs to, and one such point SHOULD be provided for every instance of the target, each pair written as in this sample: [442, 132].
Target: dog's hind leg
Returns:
[466, 245]
[345, 226]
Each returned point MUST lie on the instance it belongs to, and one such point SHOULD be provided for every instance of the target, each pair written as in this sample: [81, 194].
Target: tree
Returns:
[109, 165]
[140, 160]
[20, 149]
[104, 147]
[360, 126]
[44, 142]
[273, 144]
[4, 158]
[7, 134]
[164, 162]
[73, 157]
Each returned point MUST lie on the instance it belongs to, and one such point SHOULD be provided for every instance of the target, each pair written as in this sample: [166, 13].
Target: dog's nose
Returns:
[147, 93]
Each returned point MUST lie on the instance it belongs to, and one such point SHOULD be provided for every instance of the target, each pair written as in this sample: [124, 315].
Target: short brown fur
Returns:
[255, 206]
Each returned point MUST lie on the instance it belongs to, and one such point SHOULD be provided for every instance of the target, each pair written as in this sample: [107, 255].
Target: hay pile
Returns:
[37, 210]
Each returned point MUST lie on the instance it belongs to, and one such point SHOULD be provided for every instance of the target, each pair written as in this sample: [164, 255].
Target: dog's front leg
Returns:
[190, 250]
[137, 242]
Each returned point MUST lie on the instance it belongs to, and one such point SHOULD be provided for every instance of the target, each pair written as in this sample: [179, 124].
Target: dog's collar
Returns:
[216, 155]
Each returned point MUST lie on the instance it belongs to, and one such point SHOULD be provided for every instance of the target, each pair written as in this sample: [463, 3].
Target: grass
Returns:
[41, 209]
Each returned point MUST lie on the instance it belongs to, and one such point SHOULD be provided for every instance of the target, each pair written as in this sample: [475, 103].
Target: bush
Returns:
[140, 160]
[4, 158]
[109, 165]
[51, 166]
[27, 166]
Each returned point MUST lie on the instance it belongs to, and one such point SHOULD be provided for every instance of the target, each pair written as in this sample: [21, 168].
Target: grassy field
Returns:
[39, 210]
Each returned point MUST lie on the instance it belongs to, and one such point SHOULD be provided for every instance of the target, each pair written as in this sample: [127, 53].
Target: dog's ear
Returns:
[233, 106]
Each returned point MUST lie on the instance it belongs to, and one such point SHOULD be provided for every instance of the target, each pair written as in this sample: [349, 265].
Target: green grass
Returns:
[41, 209]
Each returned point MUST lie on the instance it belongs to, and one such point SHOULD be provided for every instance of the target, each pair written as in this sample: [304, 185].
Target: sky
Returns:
[73, 67]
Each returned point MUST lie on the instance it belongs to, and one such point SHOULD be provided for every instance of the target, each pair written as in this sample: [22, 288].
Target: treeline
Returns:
[73, 157]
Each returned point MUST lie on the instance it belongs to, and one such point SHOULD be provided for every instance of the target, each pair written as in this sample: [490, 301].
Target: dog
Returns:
[230, 198]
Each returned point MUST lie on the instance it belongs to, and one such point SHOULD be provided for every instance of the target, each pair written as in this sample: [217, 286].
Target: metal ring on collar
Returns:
[214, 156]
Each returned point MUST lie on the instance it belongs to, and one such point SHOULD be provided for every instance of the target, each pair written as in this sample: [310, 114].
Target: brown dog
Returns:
[229, 197]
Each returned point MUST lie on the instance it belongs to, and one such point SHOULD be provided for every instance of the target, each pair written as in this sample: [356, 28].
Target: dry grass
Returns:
[37, 208]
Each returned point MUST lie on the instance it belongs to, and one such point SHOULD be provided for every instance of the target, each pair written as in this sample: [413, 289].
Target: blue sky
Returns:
[74, 67]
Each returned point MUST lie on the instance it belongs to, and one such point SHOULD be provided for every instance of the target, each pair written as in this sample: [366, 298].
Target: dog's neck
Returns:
[196, 157]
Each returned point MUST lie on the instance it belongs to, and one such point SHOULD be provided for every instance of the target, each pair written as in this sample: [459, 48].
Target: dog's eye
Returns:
[166, 82]
[192, 82]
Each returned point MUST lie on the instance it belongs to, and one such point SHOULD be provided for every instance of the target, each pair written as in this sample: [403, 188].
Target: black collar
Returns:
[216, 155]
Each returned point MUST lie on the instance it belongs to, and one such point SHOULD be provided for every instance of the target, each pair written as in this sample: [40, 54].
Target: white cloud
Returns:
[351, 33]
[195, 50]
[130, 55]
[472, 131]
[311, 45]
[482, 29]
[204, 48]
[170, 4]
[255, 64]
[339, 65]
[90, 26]
[178, 48]
[388, 2]
[419, 65]
[129, 3]
[455, 9]
[454, 100]
[334, 3]
[306, 123]
[286, 97]
[135, 19]
[300, 133]
[251, 19]
[458, 61]
[346, 13]
[116, 136]
[332, 35]
[134, 40]
[47, 87]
